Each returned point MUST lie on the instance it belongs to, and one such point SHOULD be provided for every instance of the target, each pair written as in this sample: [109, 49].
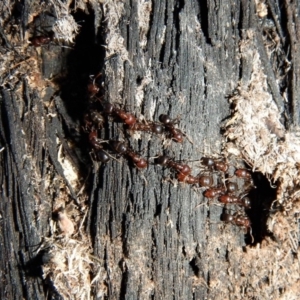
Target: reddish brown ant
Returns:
[111, 109]
[147, 127]
[217, 165]
[41, 40]
[94, 140]
[187, 178]
[122, 149]
[237, 219]
[101, 155]
[139, 161]
[203, 180]
[221, 166]
[169, 124]
[213, 192]
[170, 163]
[92, 87]
[243, 173]
[217, 191]
[229, 199]
[94, 118]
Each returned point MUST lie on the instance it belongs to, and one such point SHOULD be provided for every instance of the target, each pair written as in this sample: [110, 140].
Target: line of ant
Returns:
[184, 175]
[116, 147]
[225, 193]
[165, 125]
[95, 119]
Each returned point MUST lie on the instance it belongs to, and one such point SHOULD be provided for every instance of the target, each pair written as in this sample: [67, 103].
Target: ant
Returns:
[221, 166]
[122, 149]
[217, 191]
[147, 127]
[102, 156]
[94, 117]
[213, 192]
[203, 181]
[94, 140]
[175, 133]
[237, 219]
[231, 187]
[228, 199]
[170, 163]
[217, 165]
[208, 162]
[187, 178]
[243, 173]
[126, 117]
[97, 145]
[41, 40]
[93, 87]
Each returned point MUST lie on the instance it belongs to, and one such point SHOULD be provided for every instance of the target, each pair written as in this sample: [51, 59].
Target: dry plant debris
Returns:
[65, 27]
[70, 266]
[256, 134]
[69, 248]
[259, 136]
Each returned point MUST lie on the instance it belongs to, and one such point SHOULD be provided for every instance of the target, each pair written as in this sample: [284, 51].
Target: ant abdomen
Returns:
[205, 180]
[102, 156]
[119, 147]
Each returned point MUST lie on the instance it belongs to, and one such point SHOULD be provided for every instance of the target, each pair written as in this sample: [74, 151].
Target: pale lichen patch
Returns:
[65, 27]
[144, 13]
[69, 170]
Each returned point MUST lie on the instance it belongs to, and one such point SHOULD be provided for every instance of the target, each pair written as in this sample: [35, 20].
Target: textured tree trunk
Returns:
[152, 237]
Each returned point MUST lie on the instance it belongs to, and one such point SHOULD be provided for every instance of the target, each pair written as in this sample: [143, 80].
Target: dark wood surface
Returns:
[152, 238]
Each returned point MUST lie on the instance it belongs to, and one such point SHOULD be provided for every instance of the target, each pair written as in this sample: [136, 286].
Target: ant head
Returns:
[92, 89]
[185, 169]
[181, 177]
[221, 166]
[130, 120]
[93, 134]
[142, 163]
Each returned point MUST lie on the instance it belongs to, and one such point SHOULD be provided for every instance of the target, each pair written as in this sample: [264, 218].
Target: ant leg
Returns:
[252, 238]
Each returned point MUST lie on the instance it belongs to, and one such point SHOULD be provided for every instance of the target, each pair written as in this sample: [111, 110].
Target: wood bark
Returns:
[152, 237]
